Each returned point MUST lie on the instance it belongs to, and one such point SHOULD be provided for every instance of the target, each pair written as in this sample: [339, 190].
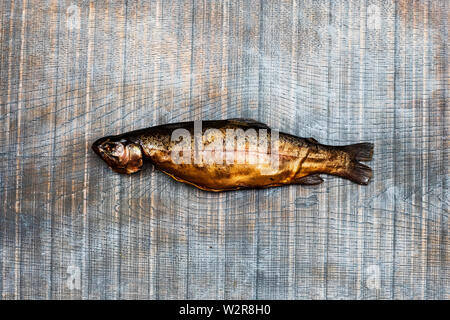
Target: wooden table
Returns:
[339, 71]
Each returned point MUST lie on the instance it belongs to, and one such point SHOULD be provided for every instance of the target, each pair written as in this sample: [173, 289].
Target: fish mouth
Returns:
[100, 151]
[96, 149]
[96, 146]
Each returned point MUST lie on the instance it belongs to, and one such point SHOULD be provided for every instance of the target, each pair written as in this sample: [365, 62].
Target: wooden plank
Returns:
[342, 72]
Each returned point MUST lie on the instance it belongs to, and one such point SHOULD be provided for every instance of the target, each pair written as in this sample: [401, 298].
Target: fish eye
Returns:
[112, 147]
[113, 150]
[107, 146]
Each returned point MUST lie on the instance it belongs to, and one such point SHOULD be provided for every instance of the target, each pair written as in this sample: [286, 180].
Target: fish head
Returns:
[120, 154]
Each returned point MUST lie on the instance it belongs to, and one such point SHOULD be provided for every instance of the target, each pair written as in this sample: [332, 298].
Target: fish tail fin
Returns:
[358, 173]
[360, 151]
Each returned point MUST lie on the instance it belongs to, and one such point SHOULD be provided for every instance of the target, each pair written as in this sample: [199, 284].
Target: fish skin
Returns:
[301, 160]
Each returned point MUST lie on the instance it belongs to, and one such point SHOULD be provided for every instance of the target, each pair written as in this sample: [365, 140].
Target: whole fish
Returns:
[221, 155]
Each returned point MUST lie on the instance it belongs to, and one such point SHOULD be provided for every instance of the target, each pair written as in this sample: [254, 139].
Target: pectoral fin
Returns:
[309, 180]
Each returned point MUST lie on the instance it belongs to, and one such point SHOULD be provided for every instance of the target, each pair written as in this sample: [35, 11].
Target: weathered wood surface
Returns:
[342, 72]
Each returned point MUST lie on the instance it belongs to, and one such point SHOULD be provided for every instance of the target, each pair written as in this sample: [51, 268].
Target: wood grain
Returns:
[339, 71]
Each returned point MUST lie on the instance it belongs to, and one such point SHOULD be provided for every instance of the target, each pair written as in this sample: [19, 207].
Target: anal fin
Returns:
[309, 180]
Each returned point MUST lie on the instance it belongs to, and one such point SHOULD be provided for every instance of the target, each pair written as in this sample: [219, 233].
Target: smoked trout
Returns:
[221, 155]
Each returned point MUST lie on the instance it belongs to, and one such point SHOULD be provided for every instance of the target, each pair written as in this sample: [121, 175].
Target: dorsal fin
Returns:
[312, 140]
[249, 122]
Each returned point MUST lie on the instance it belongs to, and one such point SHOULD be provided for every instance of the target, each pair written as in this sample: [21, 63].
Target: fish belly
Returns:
[220, 177]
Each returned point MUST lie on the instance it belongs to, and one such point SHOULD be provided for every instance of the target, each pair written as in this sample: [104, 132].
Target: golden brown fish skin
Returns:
[300, 160]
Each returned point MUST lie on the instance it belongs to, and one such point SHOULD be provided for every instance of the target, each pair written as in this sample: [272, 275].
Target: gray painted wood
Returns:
[339, 71]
